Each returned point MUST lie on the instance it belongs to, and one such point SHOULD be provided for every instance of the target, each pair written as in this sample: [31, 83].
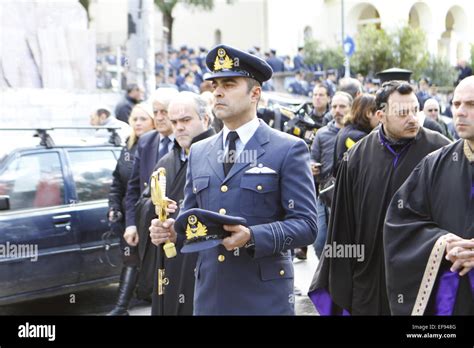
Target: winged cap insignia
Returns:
[195, 228]
[223, 61]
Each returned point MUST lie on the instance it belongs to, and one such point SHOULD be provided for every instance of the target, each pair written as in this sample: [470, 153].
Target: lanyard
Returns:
[392, 151]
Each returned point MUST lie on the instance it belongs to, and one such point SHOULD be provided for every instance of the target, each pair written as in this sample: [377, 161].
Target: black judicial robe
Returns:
[176, 178]
[437, 198]
[365, 184]
[179, 293]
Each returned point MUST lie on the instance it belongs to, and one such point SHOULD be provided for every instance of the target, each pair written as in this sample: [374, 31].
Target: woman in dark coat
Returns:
[357, 124]
[141, 121]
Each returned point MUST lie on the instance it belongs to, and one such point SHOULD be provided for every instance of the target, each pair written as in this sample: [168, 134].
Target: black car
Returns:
[54, 233]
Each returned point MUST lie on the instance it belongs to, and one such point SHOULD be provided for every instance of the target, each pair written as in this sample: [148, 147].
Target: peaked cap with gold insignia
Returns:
[226, 61]
[203, 229]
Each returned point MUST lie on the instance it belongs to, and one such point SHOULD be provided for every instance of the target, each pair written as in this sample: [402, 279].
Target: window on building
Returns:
[218, 37]
[308, 33]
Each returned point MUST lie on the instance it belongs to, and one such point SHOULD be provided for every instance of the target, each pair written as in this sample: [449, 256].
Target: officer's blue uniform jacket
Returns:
[298, 87]
[279, 208]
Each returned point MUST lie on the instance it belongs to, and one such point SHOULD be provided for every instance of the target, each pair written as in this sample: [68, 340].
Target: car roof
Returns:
[14, 140]
[285, 98]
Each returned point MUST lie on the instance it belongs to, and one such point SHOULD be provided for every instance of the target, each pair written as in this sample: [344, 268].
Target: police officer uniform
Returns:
[299, 87]
[270, 186]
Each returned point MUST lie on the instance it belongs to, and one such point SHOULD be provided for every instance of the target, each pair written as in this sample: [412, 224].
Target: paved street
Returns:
[304, 271]
[100, 300]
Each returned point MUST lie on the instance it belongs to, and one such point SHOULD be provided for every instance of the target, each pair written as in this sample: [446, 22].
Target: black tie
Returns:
[163, 147]
[230, 158]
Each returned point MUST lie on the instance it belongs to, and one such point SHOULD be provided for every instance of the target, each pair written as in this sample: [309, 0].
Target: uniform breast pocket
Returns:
[272, 268]
[200, 189]
[260, 194]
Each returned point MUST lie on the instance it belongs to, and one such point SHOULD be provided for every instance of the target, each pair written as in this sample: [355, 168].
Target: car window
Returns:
[33, 181]
[92, 172]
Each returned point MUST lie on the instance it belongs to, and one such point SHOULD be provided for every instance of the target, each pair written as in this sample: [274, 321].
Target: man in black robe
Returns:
[429, 230]
[350, 278]
[190, 118]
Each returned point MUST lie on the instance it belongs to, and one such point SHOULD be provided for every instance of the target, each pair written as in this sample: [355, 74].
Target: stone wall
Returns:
[46, 45]
[32, 107]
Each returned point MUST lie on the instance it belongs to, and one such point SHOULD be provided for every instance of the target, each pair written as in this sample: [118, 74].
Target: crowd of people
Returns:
[366, 153]
[368, 179]
[185, 68]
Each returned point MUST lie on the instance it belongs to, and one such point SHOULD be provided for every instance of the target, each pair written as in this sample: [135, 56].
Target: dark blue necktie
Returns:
[163, 147]
[230, 158]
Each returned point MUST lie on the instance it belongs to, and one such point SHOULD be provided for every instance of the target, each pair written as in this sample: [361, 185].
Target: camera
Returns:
[294, 120]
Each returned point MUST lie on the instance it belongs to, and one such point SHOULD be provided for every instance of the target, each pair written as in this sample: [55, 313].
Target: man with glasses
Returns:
[350, 278]
[431, 111]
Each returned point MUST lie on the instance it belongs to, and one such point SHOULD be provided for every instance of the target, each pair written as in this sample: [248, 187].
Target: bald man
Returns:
[429, 228]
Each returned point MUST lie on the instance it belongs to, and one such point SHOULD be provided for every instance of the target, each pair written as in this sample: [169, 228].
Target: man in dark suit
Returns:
[190, 116]
[124, 108]
[299, 86]
[251, 171]
[298, 60]
[151, 147]
[275, 62]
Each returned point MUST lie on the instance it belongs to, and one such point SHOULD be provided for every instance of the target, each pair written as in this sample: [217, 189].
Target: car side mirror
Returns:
[4, 202]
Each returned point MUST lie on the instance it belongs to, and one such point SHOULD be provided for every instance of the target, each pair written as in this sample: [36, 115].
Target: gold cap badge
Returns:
[195, 228]
[222, 61]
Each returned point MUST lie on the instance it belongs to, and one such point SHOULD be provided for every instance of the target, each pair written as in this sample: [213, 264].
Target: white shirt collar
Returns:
[171, 137]
[245, 132]
[182, 155]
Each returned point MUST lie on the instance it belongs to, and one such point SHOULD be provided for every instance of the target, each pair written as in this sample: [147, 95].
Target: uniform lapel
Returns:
[215, 156]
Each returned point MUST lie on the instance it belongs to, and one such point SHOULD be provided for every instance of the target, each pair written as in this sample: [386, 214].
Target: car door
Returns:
[92, 172]
[38, 247]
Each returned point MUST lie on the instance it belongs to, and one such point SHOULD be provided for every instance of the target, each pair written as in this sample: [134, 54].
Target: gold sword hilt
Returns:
[158, 196]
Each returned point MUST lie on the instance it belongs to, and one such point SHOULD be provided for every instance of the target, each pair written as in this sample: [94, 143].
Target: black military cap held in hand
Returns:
[204, 229]
[226, 61]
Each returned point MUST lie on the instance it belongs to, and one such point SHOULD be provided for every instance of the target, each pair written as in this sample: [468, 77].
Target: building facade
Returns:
[283, 25]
